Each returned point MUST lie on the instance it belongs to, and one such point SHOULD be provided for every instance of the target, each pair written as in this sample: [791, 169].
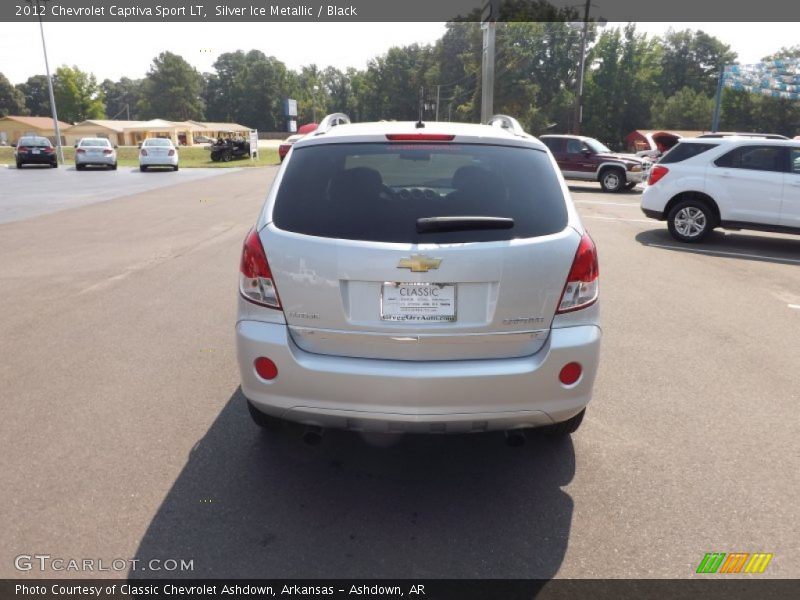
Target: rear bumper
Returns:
[103, 159]
[37, 159]
[653, 214]
[424, 396]
[158, 161]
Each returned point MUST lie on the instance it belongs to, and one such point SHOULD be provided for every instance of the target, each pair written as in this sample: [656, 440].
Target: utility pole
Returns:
[718, 101]
[578, 119]
[438, 87]
[489, 14]
[49, 83]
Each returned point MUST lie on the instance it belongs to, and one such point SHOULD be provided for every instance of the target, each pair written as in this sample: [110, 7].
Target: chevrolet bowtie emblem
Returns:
[419, 263]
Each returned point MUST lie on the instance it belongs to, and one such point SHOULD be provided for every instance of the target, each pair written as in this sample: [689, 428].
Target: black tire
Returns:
[19, 165]
[227, 156]
[79, 167]
[566, 427]
[215, 156]
[630, 185]
[690, 221]
[264, 421]
[54, 165]
[142, 168]
[114, 167]
[175, 168]
[612, 180]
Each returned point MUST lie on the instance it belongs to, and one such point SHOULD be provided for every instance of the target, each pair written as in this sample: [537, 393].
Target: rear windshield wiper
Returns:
[432, 224]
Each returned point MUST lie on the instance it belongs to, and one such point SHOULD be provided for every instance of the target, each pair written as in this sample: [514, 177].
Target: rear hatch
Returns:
[419, 251]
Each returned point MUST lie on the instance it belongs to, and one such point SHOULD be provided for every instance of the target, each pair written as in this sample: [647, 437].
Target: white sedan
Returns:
[158, 152]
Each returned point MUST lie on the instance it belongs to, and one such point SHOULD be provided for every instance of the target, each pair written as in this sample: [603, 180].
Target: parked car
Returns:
[729, 182]
[286, 145]
[35, 150]
[202, 139]
[418, 279]
[158, 152]
[95, 151]
[587, 159]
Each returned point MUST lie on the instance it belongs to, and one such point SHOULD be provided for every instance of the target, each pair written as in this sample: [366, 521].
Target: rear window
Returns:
[33, 141]
[681, 152]
[95, 143]
[157, 142]
[376, 192]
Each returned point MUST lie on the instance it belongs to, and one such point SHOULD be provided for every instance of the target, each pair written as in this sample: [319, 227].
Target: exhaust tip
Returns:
[515, 438]
[312, 436]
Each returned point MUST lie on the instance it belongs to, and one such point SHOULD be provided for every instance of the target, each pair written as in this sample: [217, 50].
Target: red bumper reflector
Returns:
[265, 368]
[570, 373]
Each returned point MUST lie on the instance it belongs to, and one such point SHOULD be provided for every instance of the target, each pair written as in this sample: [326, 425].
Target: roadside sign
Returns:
[253, 143]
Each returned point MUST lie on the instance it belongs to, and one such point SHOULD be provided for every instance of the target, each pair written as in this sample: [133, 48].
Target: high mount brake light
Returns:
[419, 137]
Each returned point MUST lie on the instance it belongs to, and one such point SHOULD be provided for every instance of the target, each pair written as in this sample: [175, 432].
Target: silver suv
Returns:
[418, 277]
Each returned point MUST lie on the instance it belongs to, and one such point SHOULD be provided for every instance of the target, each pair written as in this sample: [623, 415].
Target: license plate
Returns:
[35, 151]
[418, 302]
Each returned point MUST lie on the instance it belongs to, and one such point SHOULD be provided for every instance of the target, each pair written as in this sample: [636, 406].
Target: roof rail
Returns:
[507, 122]
[331, 120]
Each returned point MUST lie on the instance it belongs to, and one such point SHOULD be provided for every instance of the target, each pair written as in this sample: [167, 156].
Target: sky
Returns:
[96, 47]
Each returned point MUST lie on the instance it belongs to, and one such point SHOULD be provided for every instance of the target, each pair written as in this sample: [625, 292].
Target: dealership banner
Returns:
[776, 79]
[395, 10]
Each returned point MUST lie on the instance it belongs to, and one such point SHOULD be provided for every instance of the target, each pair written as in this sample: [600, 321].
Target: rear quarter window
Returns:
[681, 152]
[377, 192]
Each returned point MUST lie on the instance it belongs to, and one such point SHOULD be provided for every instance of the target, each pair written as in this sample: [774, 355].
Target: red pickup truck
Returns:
[587, 159]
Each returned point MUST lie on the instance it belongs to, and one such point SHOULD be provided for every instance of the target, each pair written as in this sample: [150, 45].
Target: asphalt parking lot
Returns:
[35, 190]
[125, 435]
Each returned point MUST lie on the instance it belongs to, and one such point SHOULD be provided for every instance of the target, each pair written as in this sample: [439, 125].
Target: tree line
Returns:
[632, 81]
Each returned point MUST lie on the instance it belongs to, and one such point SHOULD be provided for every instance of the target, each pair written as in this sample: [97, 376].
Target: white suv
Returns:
[730, 182]
[418, 277]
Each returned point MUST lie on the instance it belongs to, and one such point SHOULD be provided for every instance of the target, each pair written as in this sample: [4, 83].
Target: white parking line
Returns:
[617, 219]
[723, 253]
[631, 204]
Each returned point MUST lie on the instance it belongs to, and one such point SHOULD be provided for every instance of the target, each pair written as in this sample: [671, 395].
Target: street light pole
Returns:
[579, 98]
[314, 103]
[49, 82]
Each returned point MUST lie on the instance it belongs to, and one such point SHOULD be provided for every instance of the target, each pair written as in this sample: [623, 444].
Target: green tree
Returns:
[687, 109]
[692, 59]
[172, 90]
[12, 101]
[621, 84]
[37, 95]
[122, 98]
[78, 97]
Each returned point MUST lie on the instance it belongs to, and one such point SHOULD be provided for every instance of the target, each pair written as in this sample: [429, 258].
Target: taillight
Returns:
[49, 150]
[171, 153]
[255, 278]
[22, 148]
[583, 280]
[143, 152]
[108, 151]
[80, 151]
[656, 173]
[419, 137]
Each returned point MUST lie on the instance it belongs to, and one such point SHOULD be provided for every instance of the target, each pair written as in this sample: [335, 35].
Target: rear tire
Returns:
[175, 168]
[266, 422]
[690, 221]
[53, 165]
[19, 165]
[566, 427]
[78, 167]
[612, 180]
[142, 169]
[114, 167]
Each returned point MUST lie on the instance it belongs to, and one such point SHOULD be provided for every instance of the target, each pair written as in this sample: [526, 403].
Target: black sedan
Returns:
[35, 150]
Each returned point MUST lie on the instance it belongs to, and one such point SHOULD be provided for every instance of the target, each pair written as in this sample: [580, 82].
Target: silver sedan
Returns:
[95, 151]
[158, 152]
